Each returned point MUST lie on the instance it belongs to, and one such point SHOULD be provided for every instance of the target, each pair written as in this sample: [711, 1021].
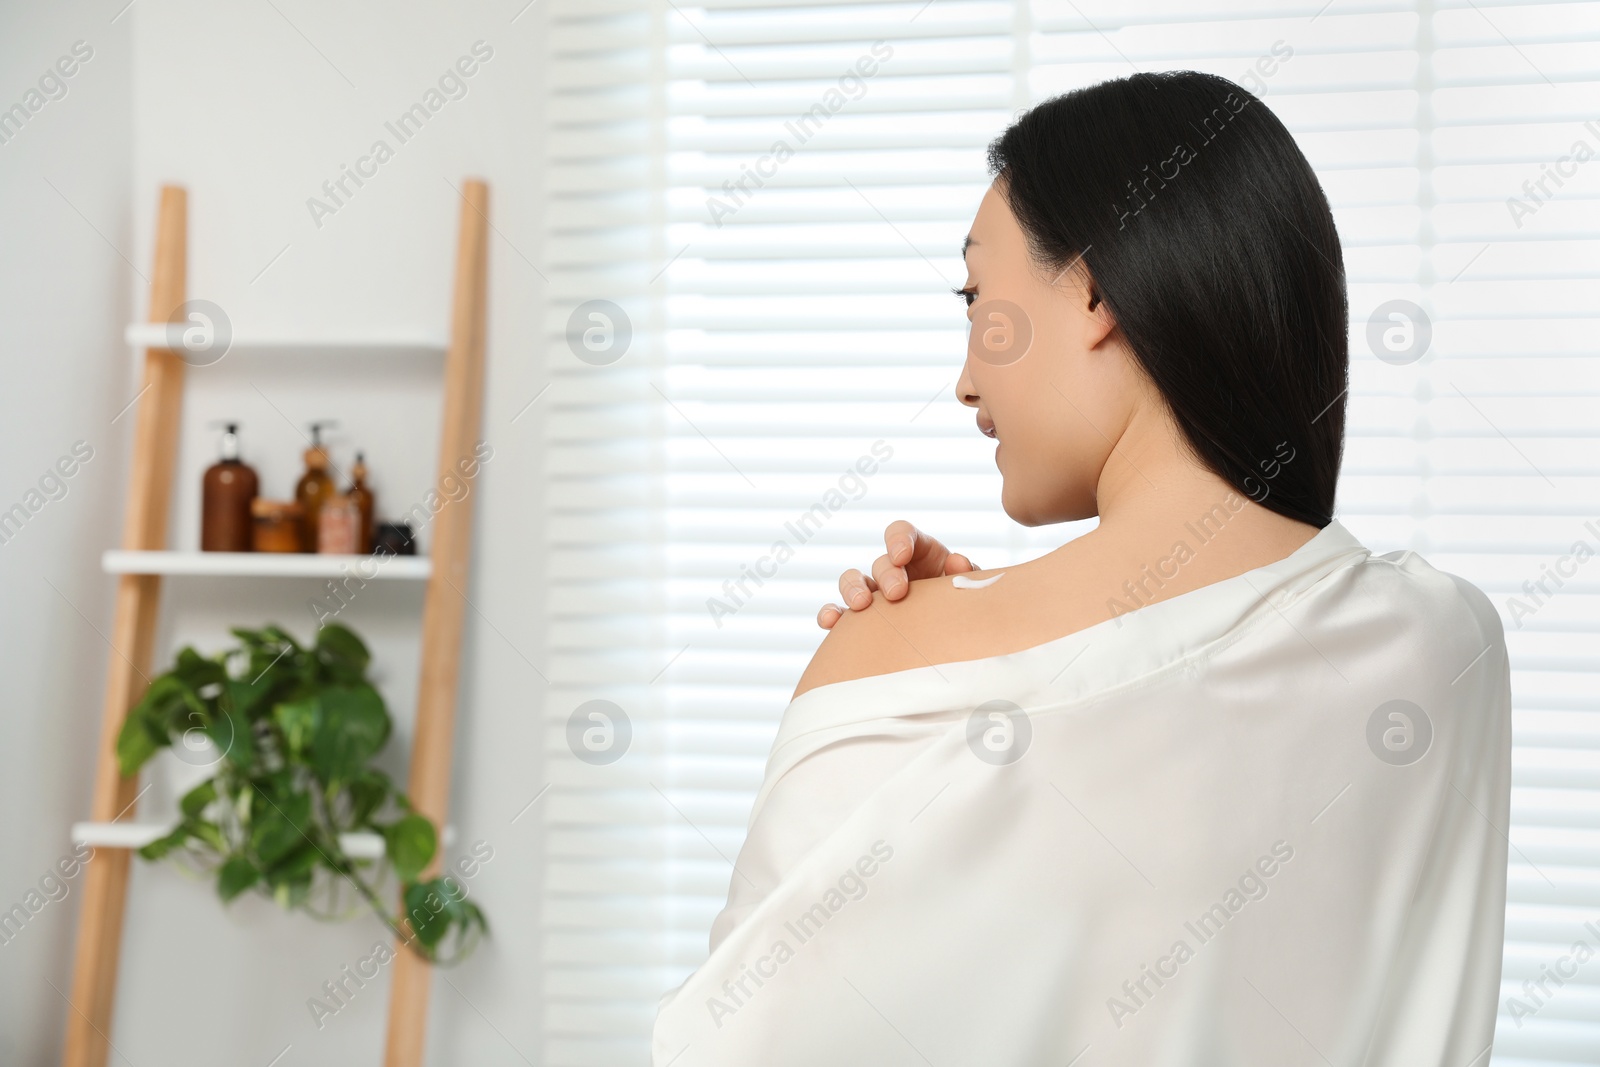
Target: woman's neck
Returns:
[1154, 492]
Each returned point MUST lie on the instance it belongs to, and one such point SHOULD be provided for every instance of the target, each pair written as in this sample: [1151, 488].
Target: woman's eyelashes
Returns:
[969, 295]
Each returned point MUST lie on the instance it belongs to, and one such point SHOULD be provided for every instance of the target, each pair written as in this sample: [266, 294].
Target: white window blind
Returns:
[788, 312]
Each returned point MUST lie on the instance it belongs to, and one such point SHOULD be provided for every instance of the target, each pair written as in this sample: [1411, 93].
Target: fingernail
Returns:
[891, 587]
[860, 597]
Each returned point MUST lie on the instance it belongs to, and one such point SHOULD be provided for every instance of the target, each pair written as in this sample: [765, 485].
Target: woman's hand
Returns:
[911, 554]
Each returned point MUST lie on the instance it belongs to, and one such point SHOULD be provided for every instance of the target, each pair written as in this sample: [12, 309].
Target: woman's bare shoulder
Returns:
[918, 630]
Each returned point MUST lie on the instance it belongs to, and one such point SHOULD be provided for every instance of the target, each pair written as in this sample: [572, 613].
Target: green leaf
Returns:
[196, 671]
[410, 844]
[270, 668]
[342, 651]
[296, 719]
[186, 714]
[195, 800]
[246, 695]
[367, 792]
[236, 875]
[300, 863]
[210, 833]
[188, 662]
[434, 910]
[144, 731]
[230, 732]
[159, 848]
[351, 726]
[135, 744]
[163, 691]
[426, 911]
[271, 656]
[279, 826]
[278, 637]
[296, 868]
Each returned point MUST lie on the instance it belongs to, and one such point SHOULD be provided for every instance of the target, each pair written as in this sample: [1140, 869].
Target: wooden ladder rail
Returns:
[133, 627]
[445, 604]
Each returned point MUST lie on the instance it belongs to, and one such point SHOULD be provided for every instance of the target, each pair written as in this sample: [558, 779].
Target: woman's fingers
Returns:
[891, 579]
[956, 563]
[914, 552]
[911, 554]
[856, 589]
[900, 540]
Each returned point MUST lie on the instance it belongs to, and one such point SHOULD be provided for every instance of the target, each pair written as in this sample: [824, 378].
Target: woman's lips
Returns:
[987, 428]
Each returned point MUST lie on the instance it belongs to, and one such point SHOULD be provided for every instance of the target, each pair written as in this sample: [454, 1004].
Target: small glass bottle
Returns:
[226, 492]
[315, 486]
[338, 526]
[364, 501]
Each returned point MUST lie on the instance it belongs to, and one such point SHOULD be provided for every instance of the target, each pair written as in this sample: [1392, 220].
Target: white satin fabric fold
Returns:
[1223, 843]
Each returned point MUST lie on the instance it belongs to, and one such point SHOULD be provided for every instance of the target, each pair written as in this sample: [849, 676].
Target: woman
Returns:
[1209, 784]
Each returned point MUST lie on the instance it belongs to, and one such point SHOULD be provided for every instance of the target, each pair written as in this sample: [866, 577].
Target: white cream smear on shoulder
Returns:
[961, 581]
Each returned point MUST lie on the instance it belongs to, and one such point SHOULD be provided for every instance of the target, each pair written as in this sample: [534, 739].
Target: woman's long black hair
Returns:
[1209, 238]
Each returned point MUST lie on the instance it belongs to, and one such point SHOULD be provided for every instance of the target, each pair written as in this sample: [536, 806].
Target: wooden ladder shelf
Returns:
[155, 447]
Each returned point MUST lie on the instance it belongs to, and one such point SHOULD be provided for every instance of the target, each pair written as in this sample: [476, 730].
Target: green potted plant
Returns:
[291, 731]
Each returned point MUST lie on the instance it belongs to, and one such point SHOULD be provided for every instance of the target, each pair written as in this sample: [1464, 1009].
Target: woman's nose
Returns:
[965, 392]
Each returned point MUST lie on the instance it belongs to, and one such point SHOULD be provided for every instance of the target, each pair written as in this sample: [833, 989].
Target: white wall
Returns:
[64, 294]
[252, 108]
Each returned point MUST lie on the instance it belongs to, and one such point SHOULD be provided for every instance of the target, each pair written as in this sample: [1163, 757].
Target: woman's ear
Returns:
[1099, 321]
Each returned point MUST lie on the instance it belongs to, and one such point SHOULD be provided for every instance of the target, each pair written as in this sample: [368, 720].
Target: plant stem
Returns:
[344, 866]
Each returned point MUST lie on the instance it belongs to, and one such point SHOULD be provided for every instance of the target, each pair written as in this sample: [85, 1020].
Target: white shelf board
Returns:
[266, 565]
[140, 834]
[164, 335]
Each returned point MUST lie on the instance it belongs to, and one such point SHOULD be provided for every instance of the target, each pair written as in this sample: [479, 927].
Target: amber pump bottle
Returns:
[225, 495]
[315, 486]
[362, 498]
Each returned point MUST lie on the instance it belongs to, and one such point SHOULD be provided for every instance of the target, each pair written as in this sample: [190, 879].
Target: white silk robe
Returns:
[1263, 822]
